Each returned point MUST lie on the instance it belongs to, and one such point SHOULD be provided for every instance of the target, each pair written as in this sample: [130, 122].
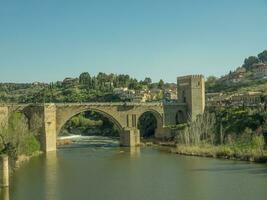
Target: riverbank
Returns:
[25, 158]
[229, 152]
[220, 151]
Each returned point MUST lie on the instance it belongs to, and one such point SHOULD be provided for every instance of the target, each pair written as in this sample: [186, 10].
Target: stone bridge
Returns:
[125, 116]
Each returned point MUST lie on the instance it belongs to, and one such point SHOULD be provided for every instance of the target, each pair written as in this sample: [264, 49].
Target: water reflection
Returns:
[51, 175]
[4, 193]
[97, 170]
[134, 152]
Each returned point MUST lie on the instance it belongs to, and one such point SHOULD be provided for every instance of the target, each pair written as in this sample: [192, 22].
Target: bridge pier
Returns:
[4, 171]
[130, 137]
[49, 142]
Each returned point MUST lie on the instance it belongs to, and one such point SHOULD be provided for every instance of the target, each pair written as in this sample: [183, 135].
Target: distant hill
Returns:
[251, 76]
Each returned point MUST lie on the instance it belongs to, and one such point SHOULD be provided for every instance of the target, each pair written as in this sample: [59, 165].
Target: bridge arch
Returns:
[156, 114]
[157, 117]
[63, 119]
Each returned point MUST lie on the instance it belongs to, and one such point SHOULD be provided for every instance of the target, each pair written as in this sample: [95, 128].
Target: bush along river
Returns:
[97, 168]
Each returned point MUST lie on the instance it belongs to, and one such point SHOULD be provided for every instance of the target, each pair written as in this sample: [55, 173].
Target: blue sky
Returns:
[49, 40]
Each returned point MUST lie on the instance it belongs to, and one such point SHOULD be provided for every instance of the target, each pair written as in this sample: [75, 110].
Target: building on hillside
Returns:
[260, 70]
[156, 94]
[36, 83]
[241, 70]
[124, 94]
[234, 77]
[120, 90]
[213, 99]
[144, 97]
[217, 99]
[247, 99]
[170, 95]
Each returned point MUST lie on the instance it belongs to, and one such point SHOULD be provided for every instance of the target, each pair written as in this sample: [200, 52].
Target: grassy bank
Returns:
[222, 151]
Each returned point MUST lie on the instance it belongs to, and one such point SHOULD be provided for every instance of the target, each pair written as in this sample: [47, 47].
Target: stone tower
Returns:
[191, 90]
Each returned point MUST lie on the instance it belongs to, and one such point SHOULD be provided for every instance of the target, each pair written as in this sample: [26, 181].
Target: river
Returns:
[96, 168]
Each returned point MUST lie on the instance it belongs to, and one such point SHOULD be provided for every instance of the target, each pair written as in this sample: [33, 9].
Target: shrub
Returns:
[30, 145]
[257, 143]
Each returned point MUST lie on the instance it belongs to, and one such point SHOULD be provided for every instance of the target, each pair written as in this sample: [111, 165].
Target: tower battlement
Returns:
[190, 77]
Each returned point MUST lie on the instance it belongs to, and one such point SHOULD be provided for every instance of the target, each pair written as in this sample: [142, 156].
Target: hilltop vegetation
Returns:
[86, 88]
[243, 79]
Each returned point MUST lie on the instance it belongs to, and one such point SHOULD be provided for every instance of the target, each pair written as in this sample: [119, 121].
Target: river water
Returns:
[96, 168]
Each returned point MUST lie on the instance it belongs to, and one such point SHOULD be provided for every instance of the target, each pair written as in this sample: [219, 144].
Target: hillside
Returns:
[86, 88]
[251, 76]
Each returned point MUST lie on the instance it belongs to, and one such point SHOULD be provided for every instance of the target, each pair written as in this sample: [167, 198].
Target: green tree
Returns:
[147, 81]
[248, 63]
[85, 79]
[263, 56]
[16, 139]
[161, 84]
[211, 81]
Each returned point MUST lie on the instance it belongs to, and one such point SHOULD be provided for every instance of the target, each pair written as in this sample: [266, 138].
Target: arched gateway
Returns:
[125, 115]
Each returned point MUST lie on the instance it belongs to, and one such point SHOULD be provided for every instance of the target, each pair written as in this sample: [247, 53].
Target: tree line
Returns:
[85, 88]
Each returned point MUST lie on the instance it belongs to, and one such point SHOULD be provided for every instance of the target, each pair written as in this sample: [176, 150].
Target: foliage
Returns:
[222, 151]
[85, 80]
[237, 132]
[30, 145]
[86, 88]
[161, 84]
[248, 82]
[211, 81]
[250, 61]
[16, 139]
[236, 120]
[80, 120]
[90, 123]
[263, 56]
[201, 129]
